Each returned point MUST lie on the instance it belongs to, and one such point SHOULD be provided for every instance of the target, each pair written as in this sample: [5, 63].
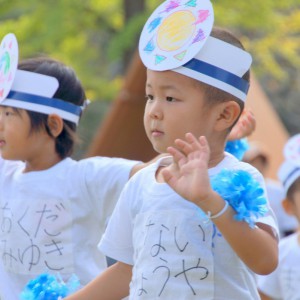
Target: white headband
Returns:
[221, 65]
[177, 37]
[34, 92]
[29, 90]
[289, 171]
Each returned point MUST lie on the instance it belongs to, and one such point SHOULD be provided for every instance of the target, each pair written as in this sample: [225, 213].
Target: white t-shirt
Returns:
[175, 251]
[284, 282]
[52, 220]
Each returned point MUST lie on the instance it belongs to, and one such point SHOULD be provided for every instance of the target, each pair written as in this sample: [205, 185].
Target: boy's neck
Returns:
[216, 159]
[216, 152]
[41, 165]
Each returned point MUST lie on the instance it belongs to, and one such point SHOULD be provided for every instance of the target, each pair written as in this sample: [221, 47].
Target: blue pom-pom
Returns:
[49, 287]
[242, 192]
[237, 148]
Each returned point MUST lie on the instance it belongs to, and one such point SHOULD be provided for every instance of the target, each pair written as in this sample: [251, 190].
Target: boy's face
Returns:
[16, 141]
[175, 106]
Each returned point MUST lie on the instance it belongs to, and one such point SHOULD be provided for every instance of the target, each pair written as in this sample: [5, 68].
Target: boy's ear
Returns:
[288, 206]
[228, 112]
[55, 124]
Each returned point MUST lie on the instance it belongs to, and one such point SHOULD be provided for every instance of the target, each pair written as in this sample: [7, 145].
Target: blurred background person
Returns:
[259, 157]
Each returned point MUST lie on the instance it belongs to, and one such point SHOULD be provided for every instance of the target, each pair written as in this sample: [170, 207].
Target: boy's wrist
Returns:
[220, 213]
[212, 204]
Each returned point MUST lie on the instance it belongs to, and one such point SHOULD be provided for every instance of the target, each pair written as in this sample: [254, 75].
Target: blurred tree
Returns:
[74, 31]
[270, 30]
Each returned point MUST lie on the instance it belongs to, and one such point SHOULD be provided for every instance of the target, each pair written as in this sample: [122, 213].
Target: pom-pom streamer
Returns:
[49, 287]
[237, 148]
[243, 193]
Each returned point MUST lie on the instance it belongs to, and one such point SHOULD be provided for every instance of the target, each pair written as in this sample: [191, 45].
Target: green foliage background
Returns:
[93, 35]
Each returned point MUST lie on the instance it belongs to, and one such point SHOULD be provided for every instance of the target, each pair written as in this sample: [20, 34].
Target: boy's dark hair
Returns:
[295, 187]
[212, 94]
[70, 90]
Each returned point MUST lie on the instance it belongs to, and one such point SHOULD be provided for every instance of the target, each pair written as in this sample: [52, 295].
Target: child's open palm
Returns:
[188, 174]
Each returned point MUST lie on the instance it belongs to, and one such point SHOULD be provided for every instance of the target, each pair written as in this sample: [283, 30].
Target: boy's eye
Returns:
[149, 97]
[170, 99]
[8, 113]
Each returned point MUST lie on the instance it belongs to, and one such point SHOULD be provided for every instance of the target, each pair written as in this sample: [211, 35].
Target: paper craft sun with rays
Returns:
[176, 32]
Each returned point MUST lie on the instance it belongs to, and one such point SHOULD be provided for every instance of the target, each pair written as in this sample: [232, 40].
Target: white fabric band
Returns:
[221, 65]
[220, 213]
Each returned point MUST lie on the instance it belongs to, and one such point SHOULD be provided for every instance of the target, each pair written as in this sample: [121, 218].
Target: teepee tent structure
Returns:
[270, 131]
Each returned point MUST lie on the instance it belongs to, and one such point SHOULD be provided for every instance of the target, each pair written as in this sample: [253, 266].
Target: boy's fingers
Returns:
[194, 143]
[167, 175]
[183, 146]
[205, 147]
[191, 145]
[176, 154]
[188, 145]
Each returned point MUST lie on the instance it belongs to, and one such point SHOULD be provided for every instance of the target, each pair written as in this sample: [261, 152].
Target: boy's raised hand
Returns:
[188, 174]
[244, 127]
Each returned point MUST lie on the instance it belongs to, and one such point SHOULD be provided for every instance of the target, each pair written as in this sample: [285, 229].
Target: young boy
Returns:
[283, 283]
[186, 244]
[50, 204]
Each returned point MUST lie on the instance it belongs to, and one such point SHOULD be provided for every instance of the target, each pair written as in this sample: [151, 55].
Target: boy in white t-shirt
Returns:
[284, 282]
[173, 232]
[53, 209]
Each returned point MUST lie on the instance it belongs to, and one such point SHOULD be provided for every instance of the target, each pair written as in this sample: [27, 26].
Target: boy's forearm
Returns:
[112, 284]
[257, 247]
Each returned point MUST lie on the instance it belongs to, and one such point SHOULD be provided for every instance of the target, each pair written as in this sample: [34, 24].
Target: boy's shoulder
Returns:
[10, 166]
[232, 163]
[104, 161]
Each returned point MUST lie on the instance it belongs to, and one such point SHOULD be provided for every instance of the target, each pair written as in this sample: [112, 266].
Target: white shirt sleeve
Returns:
[269, 285]
[117, 240]
[103, 180]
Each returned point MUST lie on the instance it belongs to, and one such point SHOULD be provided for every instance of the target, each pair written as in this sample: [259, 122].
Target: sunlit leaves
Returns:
[92, 35]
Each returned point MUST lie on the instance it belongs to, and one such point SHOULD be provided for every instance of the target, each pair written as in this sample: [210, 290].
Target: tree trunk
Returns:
[131, 9]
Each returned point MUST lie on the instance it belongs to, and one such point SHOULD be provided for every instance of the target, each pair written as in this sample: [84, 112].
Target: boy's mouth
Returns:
[2, 143]
[156, 133]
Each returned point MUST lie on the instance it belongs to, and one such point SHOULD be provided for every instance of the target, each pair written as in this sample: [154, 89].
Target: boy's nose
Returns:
[156, 112]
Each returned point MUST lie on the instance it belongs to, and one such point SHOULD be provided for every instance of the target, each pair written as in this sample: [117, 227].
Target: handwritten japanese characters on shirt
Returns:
[36, 237]
[173, 251]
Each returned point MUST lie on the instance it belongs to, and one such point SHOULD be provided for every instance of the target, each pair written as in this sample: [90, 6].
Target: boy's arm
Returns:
[244, 127]
[188, 176]
[112, 284]
[264, 297]
[140, 166]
